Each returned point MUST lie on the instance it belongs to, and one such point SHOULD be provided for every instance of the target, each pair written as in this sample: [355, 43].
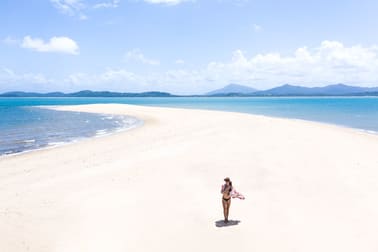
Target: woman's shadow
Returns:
[222, 223]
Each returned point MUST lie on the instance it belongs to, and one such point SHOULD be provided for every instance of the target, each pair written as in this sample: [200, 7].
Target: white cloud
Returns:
[167, 2]
[138, 56]
[112, 79]
[174, 81]
[10, 41]
[71, 7]
[55, 44]
[78, 8]
[110, 75]
[257, 28]
[331, 62]
[8, 75]
[12, 81]
[111, 4]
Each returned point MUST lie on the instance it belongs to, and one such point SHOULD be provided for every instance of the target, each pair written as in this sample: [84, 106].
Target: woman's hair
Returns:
[229, 181]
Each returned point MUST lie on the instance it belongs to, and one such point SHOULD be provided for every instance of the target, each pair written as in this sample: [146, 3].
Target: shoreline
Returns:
[140, 124]
[320, 123]
[309, 186]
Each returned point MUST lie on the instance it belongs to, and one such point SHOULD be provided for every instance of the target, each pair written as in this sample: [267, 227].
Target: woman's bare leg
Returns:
[228, 209]
[224, 203]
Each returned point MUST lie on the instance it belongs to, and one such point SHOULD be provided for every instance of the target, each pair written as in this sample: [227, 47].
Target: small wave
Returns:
[28, 141]
[101, 132]
[18, 142]
[56, 143]
[369, 131]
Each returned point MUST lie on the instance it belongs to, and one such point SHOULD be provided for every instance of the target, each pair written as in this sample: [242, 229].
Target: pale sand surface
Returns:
[308, 187]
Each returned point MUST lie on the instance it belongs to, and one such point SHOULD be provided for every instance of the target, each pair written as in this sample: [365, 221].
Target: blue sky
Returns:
[185, 47]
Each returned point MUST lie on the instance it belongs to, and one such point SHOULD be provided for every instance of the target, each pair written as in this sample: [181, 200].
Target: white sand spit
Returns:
[309, 187]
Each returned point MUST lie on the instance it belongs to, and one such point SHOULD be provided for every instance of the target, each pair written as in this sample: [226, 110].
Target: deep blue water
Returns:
[17, 115]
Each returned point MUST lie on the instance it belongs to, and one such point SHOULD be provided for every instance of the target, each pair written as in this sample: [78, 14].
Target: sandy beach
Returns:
[308, 187]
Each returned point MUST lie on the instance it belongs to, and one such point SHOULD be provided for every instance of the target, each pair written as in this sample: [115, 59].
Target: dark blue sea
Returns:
[25, 125]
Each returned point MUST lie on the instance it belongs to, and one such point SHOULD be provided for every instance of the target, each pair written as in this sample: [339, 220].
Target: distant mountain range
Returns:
[232, 89]
[229, 90]
[87, 93]
[290, 90]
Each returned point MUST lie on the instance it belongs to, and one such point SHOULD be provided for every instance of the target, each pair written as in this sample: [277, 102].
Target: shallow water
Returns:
[23, 127]
[28, 128]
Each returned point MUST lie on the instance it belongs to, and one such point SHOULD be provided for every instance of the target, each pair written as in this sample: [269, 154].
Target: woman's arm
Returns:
[223, 188]
[236, 194]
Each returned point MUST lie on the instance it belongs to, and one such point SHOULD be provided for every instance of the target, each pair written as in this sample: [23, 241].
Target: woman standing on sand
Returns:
[228, 192]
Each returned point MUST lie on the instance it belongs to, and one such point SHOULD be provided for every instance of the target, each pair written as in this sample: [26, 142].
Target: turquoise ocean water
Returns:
[25, 127]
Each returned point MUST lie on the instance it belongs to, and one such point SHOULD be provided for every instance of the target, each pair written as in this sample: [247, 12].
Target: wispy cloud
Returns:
[167, 2]
[138, 56]
[12, 81]
[331, 62]
[55, 44]
[110, 4]
[8, 75]
[78, 8]
[257, 28]
[71, 7]
[328, 63]
[10, 40]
